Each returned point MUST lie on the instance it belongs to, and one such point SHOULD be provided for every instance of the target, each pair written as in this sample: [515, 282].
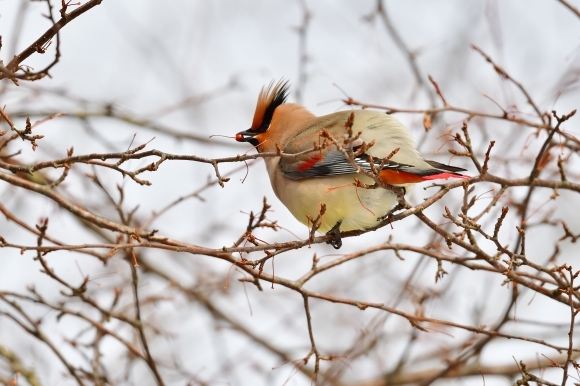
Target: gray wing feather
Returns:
[335, 163]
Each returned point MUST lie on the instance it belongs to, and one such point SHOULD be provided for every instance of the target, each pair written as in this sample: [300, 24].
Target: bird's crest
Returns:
[270, 97]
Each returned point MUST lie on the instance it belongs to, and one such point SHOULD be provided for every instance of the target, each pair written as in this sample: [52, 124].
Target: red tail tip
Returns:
[444, 176]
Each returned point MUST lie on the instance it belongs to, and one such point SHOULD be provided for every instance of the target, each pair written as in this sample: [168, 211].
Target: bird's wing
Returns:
[406, 166]
[334, 162]
[329, 163]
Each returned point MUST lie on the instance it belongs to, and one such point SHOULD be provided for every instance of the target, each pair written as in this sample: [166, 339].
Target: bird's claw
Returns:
[336, 241]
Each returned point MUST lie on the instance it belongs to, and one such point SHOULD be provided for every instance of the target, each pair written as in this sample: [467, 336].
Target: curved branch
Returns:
[14, 65]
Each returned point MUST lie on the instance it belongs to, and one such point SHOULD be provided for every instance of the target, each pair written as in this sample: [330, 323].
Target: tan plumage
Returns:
[305, 181]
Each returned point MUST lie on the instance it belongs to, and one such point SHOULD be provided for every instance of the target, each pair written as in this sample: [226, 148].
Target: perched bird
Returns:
[314, 168]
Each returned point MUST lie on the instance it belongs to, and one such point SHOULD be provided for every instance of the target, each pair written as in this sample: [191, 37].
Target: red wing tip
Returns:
[310, 162]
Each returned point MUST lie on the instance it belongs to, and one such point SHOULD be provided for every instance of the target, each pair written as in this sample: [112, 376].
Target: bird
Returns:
[320, 163]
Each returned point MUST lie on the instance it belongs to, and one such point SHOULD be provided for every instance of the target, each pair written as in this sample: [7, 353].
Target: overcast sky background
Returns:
[144, 55]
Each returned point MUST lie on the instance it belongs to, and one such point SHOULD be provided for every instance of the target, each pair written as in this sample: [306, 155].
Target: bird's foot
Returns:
[336, 241]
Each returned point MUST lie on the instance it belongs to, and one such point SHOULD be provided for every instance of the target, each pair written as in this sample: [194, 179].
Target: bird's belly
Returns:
[356, 208]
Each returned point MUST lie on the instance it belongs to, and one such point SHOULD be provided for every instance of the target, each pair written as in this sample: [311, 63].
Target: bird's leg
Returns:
[336, 242]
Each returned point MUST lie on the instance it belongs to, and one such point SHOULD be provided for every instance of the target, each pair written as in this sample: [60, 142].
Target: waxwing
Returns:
[312, 166]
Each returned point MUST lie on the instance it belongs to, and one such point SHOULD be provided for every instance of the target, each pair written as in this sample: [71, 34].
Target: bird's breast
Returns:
[357, 208]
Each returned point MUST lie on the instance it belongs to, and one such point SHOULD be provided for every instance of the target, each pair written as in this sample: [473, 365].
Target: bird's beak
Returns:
[246, 136]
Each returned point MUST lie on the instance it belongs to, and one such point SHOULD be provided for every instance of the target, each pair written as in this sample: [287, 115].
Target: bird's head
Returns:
[269, 99]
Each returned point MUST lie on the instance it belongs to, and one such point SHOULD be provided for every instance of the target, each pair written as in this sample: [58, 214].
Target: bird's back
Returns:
[387, 133]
